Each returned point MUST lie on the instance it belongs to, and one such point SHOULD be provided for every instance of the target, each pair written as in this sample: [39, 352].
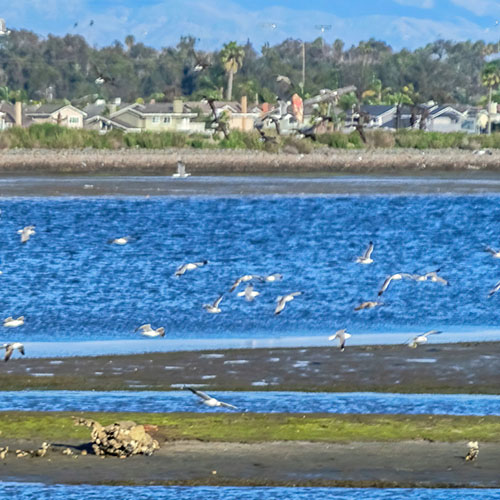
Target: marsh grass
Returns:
[50, 136]
[252, 428]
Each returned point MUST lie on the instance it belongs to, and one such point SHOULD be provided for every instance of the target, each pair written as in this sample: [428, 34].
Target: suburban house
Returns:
[444, 118]
[158, 117]
[99, 117]
[12, 114]
[240, 115]
[65, 115]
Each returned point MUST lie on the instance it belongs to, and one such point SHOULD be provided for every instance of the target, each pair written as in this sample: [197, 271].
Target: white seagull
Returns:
[209, 400]
[213, 308]
[421, 339]
[366, 257]
[26, 232]
[342, 335]
[181, 171]
[282, 300]
[433, 276]
[494, 253]
[394, 277]
[189, 267]
[494, 289]
[243, 279]
[123, 240]
[271, 277]
[9, 349]
[149, 332]
[10, 322]
[369, 304]
[249, 293]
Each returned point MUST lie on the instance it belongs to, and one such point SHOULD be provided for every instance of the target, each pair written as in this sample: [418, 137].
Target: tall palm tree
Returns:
[490, 77]
[232, 58]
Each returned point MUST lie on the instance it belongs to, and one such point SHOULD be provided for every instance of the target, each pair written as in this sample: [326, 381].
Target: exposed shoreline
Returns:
[435, 368]
[218, 162]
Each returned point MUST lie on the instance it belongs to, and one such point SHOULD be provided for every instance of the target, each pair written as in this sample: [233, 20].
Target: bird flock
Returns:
[249, 293]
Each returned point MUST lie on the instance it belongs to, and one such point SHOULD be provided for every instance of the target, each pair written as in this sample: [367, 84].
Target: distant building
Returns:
[64, 115]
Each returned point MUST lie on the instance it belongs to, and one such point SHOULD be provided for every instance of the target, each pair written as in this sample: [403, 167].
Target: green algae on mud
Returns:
[255, 428]
[388, 368]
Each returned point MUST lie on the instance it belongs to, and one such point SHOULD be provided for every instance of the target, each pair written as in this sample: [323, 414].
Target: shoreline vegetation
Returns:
[48, 148]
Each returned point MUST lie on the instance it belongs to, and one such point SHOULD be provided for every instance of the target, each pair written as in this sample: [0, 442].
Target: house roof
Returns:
[50, 109]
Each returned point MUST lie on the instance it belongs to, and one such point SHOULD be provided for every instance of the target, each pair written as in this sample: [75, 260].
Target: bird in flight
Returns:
[214, 308]
[282, 301]
[147, 331]
[10, 347]
[369, 304]
[123, 240]
[270, 278]
[421, 339]
[209, 400]
[494, 289]
[494, 253]
[243, 279]
[342, 335]
[191, 266]
[393, 277]
[249, 293]
[26, 232]
[366, 257]
[10, 322]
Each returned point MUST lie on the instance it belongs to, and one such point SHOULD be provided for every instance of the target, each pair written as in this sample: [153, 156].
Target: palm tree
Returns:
[129, 41]
[490, 77]
[232, 59]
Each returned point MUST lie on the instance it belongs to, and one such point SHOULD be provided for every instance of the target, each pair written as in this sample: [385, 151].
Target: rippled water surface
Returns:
[70, 284]
[258, 402]
[22, 491]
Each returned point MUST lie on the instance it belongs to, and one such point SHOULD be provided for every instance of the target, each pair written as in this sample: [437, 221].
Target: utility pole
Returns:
[303, 83]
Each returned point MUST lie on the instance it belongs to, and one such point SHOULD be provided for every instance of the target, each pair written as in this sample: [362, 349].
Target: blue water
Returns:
[25, 491]
[256, 402]
[71, 285]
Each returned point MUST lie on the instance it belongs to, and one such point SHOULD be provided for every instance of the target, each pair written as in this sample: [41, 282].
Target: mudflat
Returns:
[434, 368]
[400, 464]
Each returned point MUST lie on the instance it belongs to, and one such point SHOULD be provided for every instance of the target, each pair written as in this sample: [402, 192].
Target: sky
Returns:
[161, 23]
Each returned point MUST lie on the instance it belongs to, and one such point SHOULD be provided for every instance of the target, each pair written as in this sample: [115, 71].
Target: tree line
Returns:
[42, 69]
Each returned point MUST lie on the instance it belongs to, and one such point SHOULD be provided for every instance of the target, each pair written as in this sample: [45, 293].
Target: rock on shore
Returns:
[121, 439]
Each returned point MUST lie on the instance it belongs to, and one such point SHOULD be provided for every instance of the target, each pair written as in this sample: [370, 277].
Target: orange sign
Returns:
[298, 108]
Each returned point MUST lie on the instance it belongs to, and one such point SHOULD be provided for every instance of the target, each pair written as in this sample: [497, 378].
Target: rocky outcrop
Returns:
[121, 439]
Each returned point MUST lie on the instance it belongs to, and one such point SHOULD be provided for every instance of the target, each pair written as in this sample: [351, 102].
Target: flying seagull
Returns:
[494, 289]
[149, 332]
[181, 171]
[271, 277]
[369, 304]
[26, 232]
[421, 339]
[10, 322]
[433, 276]
[189, 267]
[494, 253]
[473, 451]
[394, 277]
[123, 240]
[209, 400]
[9, 349]
[243, 279]
[366, 257]
[214, 308]
[249, 293]
[342, 335]
[282, 300]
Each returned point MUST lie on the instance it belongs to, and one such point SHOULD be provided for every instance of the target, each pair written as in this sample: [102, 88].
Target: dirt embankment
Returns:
[208, 162]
